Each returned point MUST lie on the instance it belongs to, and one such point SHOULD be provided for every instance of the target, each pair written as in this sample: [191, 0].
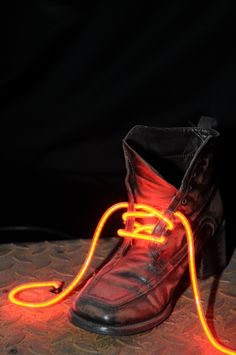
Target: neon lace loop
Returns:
[140, 231]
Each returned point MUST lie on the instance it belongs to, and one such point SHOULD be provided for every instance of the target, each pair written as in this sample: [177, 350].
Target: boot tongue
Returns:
[148, 186]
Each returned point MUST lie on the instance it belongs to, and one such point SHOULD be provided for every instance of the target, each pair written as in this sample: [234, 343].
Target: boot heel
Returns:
[213, 257]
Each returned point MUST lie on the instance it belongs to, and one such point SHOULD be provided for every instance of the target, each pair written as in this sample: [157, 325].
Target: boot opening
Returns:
[168, 151]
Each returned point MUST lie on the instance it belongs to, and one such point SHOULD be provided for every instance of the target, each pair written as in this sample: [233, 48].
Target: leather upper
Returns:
[141, 278]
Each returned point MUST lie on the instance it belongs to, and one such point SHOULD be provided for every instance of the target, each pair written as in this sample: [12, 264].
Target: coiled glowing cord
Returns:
[140, 211]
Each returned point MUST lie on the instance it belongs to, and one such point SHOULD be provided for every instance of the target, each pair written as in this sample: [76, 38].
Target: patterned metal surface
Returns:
[48, 331]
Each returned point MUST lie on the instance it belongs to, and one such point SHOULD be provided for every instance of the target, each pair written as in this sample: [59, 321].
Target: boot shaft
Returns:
[171, 167]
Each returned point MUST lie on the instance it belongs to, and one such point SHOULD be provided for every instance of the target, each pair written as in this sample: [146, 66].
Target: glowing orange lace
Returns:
[140, 231]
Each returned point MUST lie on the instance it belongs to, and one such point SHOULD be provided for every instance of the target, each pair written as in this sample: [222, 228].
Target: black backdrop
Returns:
[77, 75]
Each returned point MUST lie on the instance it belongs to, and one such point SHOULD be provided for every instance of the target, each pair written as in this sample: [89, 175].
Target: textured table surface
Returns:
[48, 331]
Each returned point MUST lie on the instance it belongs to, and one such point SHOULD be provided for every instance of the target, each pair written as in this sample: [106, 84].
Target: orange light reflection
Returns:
[140, 211]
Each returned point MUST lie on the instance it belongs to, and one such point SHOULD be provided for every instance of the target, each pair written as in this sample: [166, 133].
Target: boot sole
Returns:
[123, 329]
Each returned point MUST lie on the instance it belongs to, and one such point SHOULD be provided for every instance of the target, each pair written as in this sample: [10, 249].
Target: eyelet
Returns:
[184, 202]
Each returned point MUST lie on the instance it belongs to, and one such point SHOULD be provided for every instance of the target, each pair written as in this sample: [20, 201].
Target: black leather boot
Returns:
[170, 169]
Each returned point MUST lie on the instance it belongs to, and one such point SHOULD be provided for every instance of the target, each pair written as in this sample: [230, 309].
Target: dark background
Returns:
[77, 75]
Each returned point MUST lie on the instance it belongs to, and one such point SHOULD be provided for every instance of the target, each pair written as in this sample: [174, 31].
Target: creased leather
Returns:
[140, 283]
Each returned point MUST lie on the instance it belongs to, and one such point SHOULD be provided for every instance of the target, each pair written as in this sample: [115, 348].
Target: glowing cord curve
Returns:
[141, 211]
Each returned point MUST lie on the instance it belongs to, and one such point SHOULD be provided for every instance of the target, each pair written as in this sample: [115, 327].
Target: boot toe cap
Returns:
[95, 311]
